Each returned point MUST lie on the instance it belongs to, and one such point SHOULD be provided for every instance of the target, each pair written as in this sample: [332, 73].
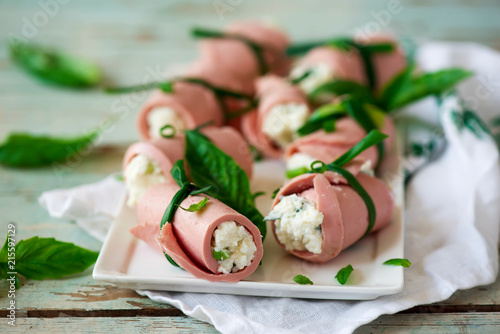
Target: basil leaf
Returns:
[179, 174]
[301, 279]
[341, 87]
[372, 138]
[26, 150]
[209, 166]
[221, 255]
[54, 67]
[196, 206]
[343, 274]
[398, 262]
[179, 196]
[46, 258]
[256, 48]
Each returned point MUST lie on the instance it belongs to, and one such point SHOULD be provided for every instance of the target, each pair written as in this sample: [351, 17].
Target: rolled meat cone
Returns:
[191, 237]
[386, 65]
[282, 110]
[217, 75]
[149, 163]
[188, 106]
[239, 59]
[344, 213]
[327, 147]
[327, 63]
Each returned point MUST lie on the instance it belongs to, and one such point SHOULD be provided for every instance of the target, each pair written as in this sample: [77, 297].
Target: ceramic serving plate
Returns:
[129, 262]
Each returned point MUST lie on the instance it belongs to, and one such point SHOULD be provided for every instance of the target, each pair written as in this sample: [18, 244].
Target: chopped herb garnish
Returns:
[221, 255]
[167, 131]
[398, 262]
[343, 274]
[301, 279]
[196, 206]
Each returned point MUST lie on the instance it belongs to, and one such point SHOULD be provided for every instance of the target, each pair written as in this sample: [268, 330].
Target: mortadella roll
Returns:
[324, 146]
[282, 110]
[188, 106]
[193, 239]
[316, 216]
[239, 59]
[148, 163]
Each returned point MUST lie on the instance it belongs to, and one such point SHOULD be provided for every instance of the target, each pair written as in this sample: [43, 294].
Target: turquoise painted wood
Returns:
[134, 43]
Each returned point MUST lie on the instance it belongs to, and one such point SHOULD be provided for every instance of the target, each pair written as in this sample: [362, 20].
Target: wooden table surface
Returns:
[133, 43]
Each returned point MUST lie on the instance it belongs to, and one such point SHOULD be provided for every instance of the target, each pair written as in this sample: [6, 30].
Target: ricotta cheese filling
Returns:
[297, 224]
[161, 116]
[140, 174]
[282, 122]
[320, 74]
[236, 246]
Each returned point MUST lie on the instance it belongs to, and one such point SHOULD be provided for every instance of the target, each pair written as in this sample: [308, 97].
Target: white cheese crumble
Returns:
[283, 121]
[298, 224]
[367, 168]
[320, 74]
[236, 242]
[161, 116]
[299, 160]
[140, 174]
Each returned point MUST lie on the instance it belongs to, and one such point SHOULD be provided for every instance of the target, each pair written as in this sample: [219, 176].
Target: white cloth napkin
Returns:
[452, 216]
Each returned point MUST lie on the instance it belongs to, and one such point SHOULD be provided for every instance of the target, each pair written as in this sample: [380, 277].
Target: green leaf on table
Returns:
[221, 255]
[398, 262]
[54, 67]
[210, 166]
[196, 206]
[303, 280]
[344, 273]
[47, 258]
[26, 150]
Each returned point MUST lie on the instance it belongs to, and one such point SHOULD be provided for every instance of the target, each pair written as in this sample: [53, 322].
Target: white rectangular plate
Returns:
[131, 263]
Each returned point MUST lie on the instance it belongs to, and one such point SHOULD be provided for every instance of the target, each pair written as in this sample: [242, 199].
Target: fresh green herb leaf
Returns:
[275, 192]
[398, 262]
[209, 166]
[54, 67]
[343, 274]
[407, 88]
[291, 173]
[372, 138]
[256, 48]
[256, 154]
[323, 115]
[47, 258]
[221, 255]
[257, 194]
[398, 83]
[172, 262]
[341, 87]
[301, 279]
[196, 206]
[26, 150]
[179, 174]
[299, 79]
[165, 86]
[179, 196]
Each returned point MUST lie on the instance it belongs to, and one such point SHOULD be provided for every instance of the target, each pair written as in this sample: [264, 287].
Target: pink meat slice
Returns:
[272, 91]
[387, 65]
[239, 59]
[345, 213]
[327, 147]
[167, 151]
[344, 65]
[188, 238]
[195, 104]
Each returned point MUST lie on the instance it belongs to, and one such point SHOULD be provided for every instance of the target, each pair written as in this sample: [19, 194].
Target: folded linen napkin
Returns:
[453, 207]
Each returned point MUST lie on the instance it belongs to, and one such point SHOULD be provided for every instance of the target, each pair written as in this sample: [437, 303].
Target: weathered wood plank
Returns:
[64, 324]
